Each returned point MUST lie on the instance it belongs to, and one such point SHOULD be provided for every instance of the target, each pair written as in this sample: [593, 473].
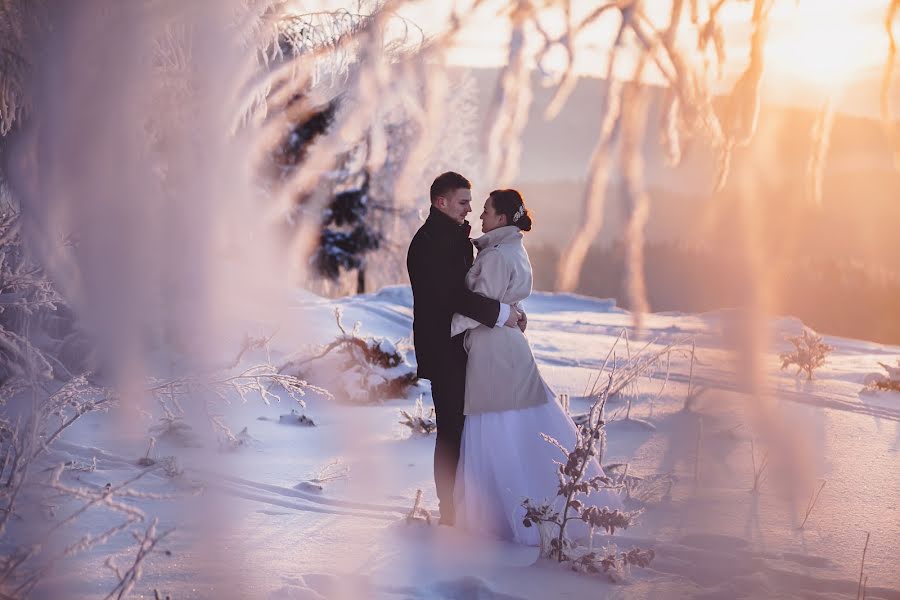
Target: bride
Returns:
[507, 403]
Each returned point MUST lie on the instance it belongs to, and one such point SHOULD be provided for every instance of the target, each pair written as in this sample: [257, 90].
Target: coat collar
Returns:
[443, 224]
[510, 234]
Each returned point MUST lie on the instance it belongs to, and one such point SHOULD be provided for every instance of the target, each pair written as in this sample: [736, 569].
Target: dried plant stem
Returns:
[812, 504]
[665, 381]
[698, 451]
[690, 391]
[860, 592]
[757, 472]
[597, 408]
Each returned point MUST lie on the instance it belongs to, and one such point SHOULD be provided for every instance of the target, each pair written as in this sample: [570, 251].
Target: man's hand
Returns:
[523, 322]
[514, 316]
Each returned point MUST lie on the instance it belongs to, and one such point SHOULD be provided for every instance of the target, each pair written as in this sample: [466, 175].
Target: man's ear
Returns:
[440, 202]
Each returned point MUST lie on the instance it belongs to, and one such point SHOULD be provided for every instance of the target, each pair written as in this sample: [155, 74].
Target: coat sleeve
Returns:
[434, 288]
[489, 278]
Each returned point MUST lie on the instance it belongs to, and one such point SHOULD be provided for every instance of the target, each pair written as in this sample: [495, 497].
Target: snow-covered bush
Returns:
[295, 418]
[25, 442]
[809, 352]
[418, 421]
[362, 370]
[889, 381]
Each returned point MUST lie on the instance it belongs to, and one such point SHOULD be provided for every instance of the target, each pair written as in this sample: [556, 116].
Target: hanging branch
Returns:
[887, 116]
[638, 202]
[815, 166]
[509, 111]
[741, 116]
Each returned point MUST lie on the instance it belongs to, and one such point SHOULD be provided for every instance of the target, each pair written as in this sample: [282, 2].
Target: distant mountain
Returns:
[861, 202]
[560, 149]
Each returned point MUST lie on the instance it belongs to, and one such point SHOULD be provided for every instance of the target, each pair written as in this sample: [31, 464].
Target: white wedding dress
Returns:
[504, 459]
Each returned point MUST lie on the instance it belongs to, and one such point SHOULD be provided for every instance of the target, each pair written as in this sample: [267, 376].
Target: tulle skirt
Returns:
[504, 460]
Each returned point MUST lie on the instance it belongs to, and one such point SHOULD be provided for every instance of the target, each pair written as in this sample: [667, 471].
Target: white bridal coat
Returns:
[504, 459]
[501, 372]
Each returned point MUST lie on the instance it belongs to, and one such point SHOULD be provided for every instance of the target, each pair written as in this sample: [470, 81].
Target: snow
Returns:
[266, 521]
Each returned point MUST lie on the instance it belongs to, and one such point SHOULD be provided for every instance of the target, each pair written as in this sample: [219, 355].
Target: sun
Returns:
[827, 49]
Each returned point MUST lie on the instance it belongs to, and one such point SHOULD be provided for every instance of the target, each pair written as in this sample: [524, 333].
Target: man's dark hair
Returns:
[446, 183]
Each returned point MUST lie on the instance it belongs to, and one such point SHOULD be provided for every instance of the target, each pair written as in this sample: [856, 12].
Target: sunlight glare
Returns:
[826, 48]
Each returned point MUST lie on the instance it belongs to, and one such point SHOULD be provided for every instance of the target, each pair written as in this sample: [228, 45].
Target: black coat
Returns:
[439, 257]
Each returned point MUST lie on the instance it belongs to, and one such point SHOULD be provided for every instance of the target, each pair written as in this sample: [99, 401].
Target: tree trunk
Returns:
[361, 280]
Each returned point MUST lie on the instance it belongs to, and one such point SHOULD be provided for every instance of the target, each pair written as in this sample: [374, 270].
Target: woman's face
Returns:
[490, 220]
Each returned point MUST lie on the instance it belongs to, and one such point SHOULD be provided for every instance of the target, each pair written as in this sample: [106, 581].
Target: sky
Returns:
[815, 47]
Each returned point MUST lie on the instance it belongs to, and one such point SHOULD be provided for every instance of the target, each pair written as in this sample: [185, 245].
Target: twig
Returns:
[699, 450]
[128, 579]
[757, 473]
[862, 565]
[691, 373]
[812, 504]
[665, 381]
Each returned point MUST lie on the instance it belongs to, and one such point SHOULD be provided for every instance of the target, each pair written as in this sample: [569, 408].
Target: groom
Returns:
[439, 257]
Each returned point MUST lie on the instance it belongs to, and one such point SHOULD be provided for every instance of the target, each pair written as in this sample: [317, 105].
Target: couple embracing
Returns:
[491, 403]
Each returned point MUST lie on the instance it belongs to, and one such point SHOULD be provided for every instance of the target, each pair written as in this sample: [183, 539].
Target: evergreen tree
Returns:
[347, 236]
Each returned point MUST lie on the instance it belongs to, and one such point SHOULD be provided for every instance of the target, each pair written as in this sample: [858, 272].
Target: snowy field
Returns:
[249, 524]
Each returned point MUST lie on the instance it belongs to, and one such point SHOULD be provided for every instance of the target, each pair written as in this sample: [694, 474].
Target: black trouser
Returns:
[448, 390]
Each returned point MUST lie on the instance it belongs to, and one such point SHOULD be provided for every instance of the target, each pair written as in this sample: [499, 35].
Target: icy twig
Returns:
[812, 504]
[127, 580]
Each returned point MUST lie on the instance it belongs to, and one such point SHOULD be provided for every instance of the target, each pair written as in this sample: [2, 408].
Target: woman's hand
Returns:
[515, 317]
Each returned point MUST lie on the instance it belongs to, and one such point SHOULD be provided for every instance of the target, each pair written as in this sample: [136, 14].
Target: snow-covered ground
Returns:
[247, 526]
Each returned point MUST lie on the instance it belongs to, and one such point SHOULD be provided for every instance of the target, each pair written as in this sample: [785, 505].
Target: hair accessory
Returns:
[519, 213]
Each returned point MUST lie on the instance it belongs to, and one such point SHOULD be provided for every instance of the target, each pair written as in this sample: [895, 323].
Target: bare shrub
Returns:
[808, 354]
[573, 483]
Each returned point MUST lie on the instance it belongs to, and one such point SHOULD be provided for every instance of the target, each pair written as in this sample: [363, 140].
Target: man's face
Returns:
[456, 204]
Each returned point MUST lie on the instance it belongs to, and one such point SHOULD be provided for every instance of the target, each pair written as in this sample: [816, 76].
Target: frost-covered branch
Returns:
[147, 541]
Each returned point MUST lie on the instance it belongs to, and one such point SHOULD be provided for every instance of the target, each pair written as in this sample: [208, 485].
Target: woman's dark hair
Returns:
[509, 202]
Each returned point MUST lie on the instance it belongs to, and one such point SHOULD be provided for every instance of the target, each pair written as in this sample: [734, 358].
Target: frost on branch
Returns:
[616, 565]
[361, 369]
[809, 352]
[418, 421]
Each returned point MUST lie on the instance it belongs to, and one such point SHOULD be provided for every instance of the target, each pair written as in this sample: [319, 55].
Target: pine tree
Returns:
[346, 236]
